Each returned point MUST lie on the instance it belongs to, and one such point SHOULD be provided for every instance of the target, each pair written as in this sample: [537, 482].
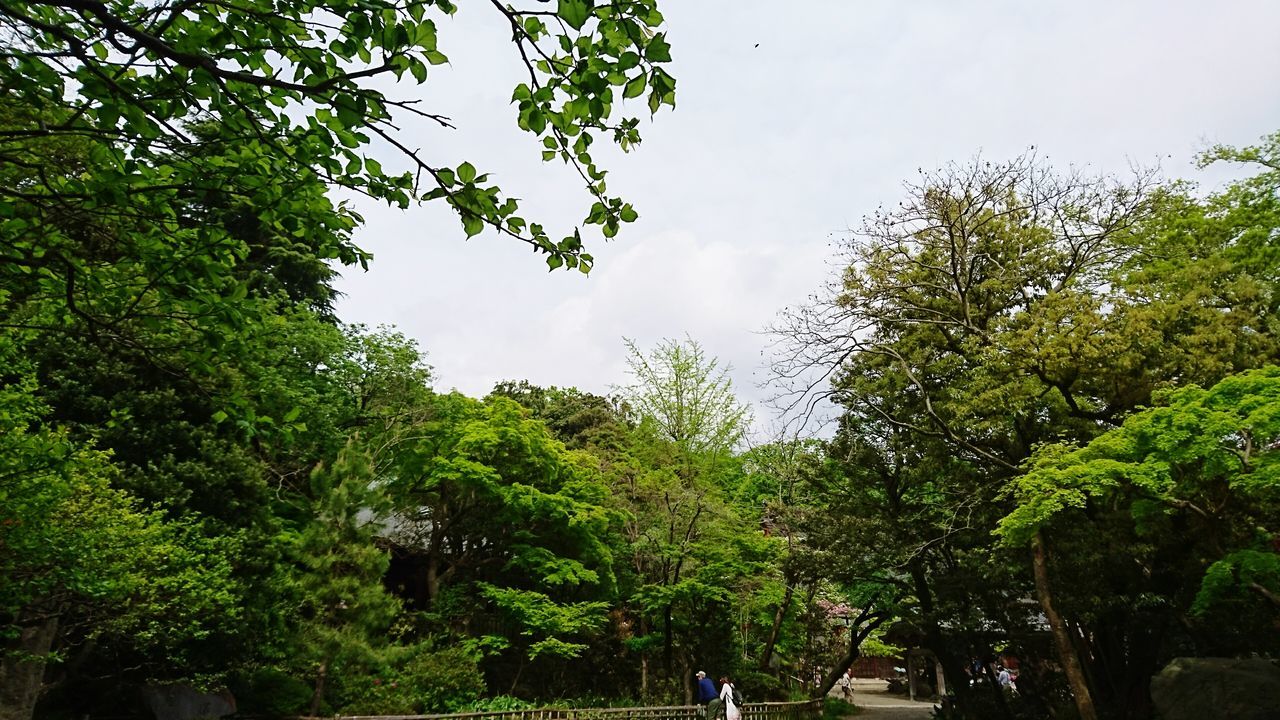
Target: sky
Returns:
[793, 120]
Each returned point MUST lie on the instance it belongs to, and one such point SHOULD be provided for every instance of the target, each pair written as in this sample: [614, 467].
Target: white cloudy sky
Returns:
[773, 148]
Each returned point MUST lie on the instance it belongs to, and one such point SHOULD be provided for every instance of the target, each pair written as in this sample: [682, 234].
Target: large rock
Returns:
[1206, 688]
[180, 701]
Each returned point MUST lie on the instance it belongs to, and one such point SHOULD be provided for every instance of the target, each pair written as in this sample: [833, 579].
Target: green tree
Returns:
[687, 396]
[689, 550]
[294, 89]
[503, 526]
[1200, 465]
[344, 610]
[82, 562]
[1001, 306]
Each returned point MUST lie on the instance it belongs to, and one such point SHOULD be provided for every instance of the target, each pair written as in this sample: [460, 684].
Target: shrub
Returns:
[835, 708]
[417, 680]
[757, 686]
[272, 693]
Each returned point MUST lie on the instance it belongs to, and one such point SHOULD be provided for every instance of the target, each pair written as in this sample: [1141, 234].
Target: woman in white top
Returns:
[731, 710]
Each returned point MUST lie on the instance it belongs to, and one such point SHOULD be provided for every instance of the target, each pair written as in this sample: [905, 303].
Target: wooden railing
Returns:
[802, 710]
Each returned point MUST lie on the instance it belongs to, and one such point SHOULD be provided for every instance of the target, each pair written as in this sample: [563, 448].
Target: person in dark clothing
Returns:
[708, 697]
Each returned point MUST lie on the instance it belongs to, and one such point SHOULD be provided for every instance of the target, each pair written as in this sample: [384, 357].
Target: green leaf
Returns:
[658, 49]
[574, 12]
[466, 172]
[472, 225]
[635, 87]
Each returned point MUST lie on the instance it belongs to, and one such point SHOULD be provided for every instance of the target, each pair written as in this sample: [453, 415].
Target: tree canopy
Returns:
[1054, 394]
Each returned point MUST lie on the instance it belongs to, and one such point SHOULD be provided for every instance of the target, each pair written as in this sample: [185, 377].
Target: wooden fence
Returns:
[802, 710]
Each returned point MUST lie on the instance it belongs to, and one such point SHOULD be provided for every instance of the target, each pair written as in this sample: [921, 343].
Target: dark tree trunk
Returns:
[778, 617]
[318, 694]
[668, 642]
[1061, 638]
[863, 626]
[686, 678]
[644, 661]
[433, 579]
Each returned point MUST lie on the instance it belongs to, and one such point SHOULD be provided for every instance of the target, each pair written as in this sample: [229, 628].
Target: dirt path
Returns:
[877, 704]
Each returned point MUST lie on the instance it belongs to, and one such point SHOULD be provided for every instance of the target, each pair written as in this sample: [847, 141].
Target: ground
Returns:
[877, 704]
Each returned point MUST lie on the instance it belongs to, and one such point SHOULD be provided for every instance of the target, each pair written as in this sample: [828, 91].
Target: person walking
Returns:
[1005, 679]
[732, 700]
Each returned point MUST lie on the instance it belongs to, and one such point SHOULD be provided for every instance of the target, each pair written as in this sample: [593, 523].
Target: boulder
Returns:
[1204, 688]
[181, 701]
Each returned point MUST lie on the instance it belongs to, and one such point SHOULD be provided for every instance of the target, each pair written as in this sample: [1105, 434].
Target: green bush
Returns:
[835, 708]
[416, 680]
[270, 692]
[499, 704]
[757, 686]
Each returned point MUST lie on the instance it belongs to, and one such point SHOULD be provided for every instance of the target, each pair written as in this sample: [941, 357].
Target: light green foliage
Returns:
[1206, 454]
[294, 87]
[546, 622]
[687, 396]
[696, 560]
[875, 646]
[498, 510]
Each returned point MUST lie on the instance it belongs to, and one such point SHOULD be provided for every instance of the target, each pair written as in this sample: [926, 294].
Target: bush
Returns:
[498, 704]
[835, 708]
[417, 680]
[757, 686]
[272, 693]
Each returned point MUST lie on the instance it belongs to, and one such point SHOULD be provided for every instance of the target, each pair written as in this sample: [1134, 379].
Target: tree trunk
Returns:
[22, 669]
[1061, 639]
[644, 661]
[318, 695]
[433, 580]
[668, 641]
[806, 659]
[686, 678]
[857, 633]
[778, 617]
[952, 666]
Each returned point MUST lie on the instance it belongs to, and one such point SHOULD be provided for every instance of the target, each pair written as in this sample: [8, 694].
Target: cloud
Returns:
[774, 148]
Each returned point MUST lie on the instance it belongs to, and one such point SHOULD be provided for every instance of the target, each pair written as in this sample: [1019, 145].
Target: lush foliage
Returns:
[1057, 404]
[1002, 314]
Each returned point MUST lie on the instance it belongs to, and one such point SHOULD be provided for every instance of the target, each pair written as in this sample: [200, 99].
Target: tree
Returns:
[683, 537]
[294, 88]
[1200, 464]
[82, 562]
[687, 395]
[500, 521]
[344, 611]
[1002, 306]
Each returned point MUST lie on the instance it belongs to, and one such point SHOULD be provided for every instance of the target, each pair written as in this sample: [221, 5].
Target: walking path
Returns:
[878, 704]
